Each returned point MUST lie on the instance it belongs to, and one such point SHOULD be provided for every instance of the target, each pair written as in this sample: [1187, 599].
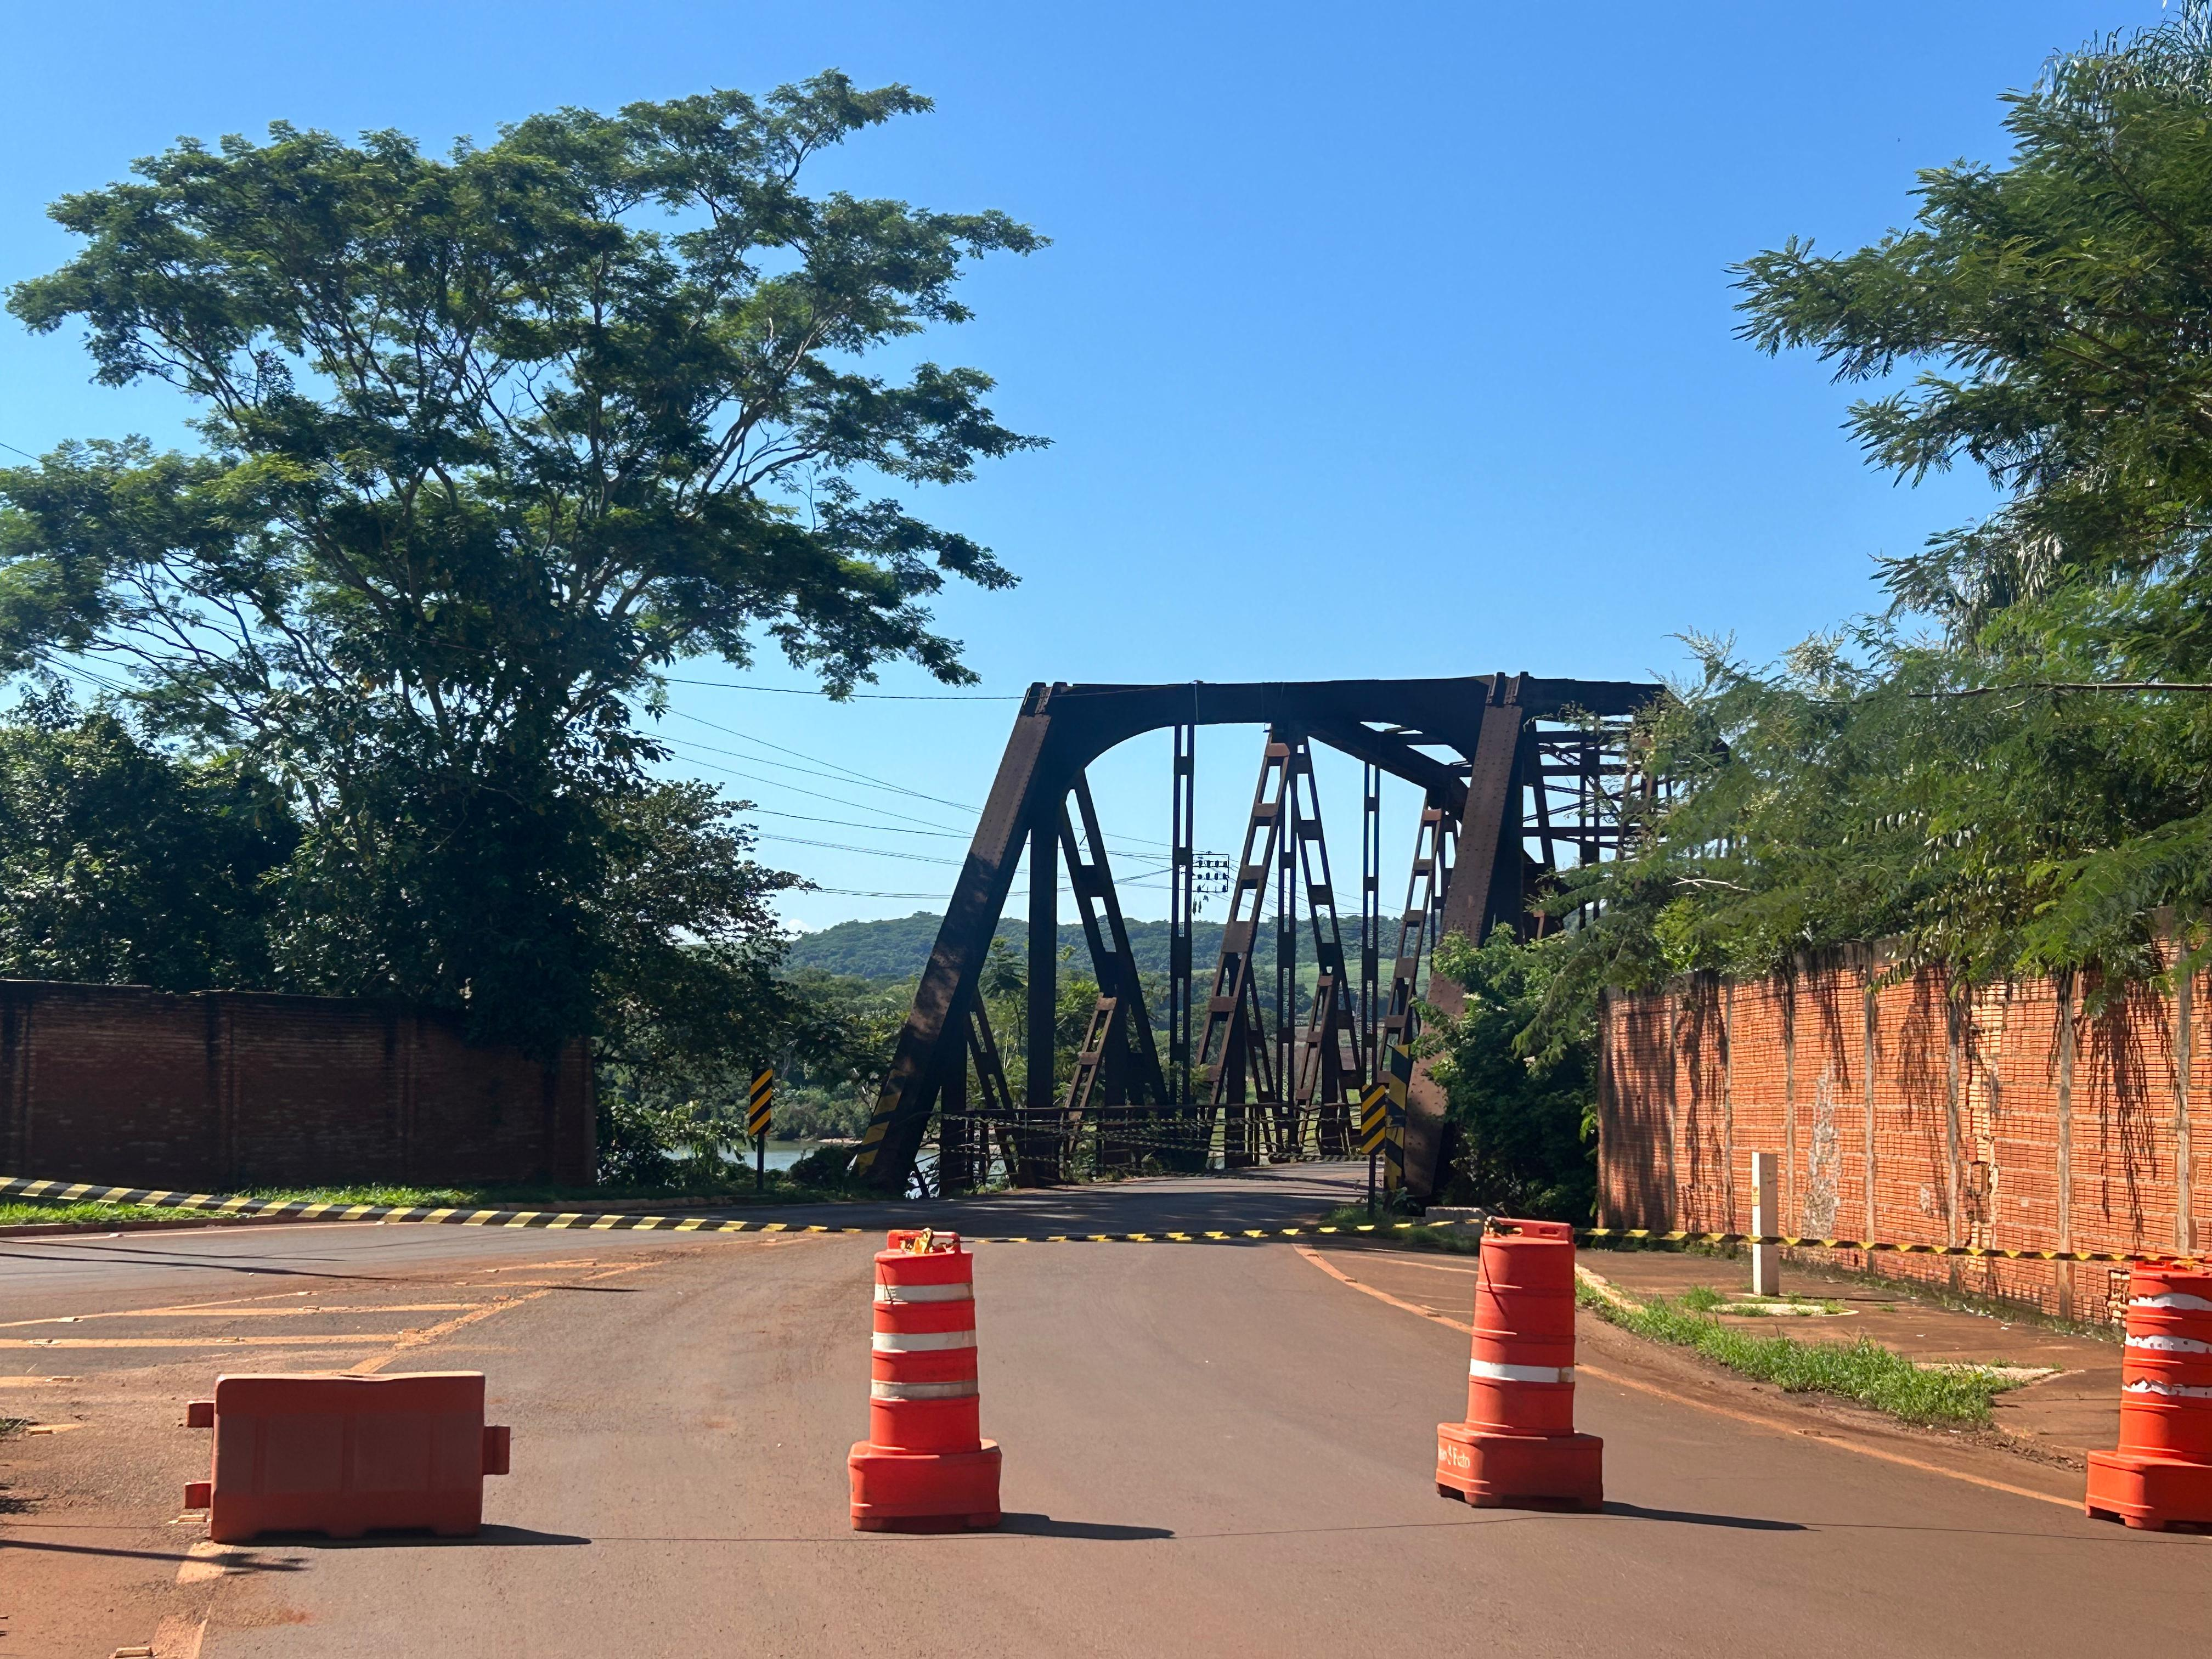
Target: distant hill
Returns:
[892, 949]
[899, 948]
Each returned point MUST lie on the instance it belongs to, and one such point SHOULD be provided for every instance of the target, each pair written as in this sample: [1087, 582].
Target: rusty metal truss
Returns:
[1522, 778]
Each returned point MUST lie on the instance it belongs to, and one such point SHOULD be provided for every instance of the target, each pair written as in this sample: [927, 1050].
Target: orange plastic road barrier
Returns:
[2161, 1475]
[925, 1466]
[346, 1455]
[1519, 1447]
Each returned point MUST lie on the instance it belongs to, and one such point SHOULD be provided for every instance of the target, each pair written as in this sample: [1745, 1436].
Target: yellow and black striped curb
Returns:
[1980, 1252]
[603, 1221]
[296, 1210]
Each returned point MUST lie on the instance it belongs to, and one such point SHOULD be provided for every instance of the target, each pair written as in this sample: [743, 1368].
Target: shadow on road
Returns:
[497, 1537]
[95, 1250]
[1043, 1526]
[598, 1290]
[1692, 1518]
[246, 1563]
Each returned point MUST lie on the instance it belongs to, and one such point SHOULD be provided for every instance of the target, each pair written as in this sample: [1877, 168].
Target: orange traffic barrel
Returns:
[1518, 1445]
[1521, 1374]
[925, 1466]
[2160, 1476]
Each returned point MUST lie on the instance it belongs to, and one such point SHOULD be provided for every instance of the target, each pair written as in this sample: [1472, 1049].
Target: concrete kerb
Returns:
[163, 1224]
[1607, 1290]
[244, 1211]
[607, 1220]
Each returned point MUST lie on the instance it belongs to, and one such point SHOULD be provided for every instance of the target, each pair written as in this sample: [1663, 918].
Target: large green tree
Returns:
[124, 864]
[1519, 1118]
[2058, 310]
[490, 441]
[2001, 792]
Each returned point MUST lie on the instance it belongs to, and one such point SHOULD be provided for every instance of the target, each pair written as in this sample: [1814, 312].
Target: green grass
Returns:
[1922, 1291]
[12, 1426]
[16, 1212]
[1862, 1371]
[25, 1212]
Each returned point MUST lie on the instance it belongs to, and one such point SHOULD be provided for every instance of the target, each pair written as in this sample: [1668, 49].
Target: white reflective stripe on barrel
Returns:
[921, 1342]
[2172, 1390]
[2169, 1344]
[924, 1292]
[2180, 1299]
[1496, 1373]
[922, 1390]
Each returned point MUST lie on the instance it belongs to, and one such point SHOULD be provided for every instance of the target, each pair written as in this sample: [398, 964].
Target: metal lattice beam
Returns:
[1061, 729]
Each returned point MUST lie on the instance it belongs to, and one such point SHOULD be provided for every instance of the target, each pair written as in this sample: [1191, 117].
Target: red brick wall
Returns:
[2035, 1114]
[222, 1090]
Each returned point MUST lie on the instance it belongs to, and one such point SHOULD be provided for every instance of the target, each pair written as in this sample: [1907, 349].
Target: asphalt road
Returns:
[33, 1270]
[1219, 1449]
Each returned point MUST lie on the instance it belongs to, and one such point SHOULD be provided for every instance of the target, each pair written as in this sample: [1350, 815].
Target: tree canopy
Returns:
[489, 442]
[1936, 785]
[122, 865]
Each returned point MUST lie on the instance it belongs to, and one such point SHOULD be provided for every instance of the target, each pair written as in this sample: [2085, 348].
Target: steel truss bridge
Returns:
[1520, 778]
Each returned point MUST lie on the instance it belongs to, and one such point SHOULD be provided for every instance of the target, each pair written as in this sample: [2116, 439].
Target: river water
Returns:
[782, 1154]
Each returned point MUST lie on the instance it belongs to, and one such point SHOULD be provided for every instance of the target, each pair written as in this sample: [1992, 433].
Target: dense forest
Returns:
[898, 947]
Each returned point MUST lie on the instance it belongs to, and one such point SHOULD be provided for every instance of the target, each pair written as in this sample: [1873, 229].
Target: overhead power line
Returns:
[870, 892]
[871, 696]
[847, 772]
[1136, 846]
[872, 852]
[850, 774]
[848, 824]
[838, 800]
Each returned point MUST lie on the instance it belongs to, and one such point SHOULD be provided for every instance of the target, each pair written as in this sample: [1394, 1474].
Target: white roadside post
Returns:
[1765, 1220]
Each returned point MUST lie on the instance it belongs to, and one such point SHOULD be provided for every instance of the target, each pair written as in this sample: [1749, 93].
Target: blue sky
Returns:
[1389, 339]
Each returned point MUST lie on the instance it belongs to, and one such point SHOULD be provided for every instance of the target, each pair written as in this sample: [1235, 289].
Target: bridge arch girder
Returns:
[1061, 728]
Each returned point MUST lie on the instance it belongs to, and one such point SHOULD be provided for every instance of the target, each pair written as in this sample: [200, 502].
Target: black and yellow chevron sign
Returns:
[1398, 1079]
[1374, 1119]
[759, 1109]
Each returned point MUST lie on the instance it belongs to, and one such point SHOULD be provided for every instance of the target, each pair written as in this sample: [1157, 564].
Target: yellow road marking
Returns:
[1315, 1256]
[540, 1266]
[1437, 1268]
[408, 1339]
[1754, 1418]
[307, 1311]
[332, 1340]
[1824, 1438]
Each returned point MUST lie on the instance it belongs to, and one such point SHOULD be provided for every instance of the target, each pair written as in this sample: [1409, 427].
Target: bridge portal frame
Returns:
[1061, 728]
